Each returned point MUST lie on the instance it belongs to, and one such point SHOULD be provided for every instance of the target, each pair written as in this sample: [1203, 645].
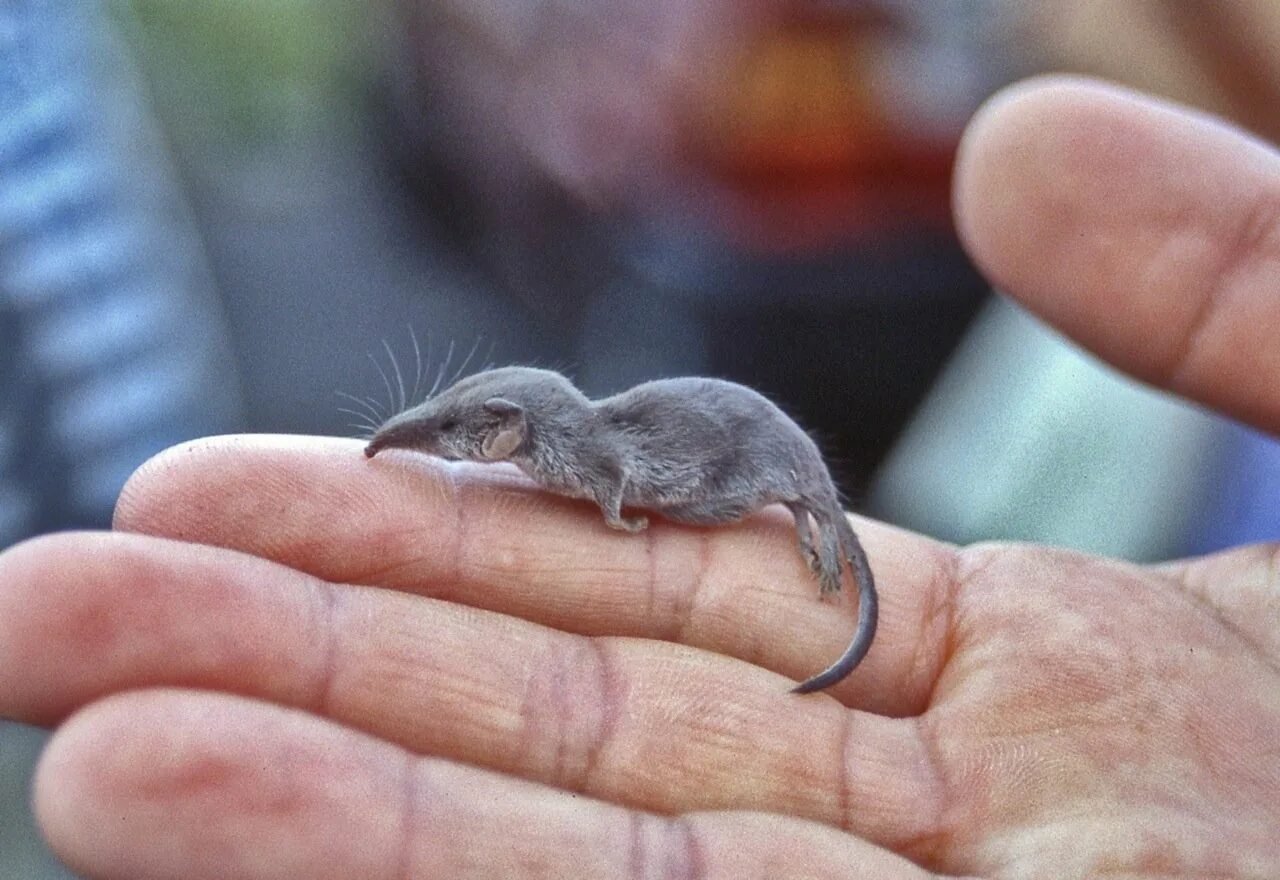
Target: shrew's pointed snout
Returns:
[398, 434]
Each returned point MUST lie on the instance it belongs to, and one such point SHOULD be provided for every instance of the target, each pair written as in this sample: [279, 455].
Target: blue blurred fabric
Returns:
[112, 345]
[1244, 506]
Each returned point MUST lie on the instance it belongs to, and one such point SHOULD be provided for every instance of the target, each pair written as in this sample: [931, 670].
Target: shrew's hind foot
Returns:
[829, 583]
[812, 560]
[830, 568]
[804, 536]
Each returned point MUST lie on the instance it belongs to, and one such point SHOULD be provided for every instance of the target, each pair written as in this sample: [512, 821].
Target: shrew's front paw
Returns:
[628, 523]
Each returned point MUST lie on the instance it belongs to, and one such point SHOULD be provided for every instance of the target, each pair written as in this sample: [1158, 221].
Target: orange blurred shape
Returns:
[807, 155]
[798, 98]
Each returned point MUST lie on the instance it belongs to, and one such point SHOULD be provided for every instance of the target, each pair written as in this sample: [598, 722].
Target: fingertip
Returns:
[67, 785]
[150, 473]
[177, 478]
[1140, 228]
[1009, 149]
[176, 783]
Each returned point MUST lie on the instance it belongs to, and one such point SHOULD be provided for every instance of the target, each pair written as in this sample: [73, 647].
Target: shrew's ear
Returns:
[500, 406]
[506, 438]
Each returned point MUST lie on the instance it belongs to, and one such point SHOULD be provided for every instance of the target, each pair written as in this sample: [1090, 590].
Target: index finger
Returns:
[484, 536]
[1147, 232]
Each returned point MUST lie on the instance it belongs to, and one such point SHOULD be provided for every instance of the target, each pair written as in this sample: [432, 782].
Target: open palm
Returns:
[291, 662]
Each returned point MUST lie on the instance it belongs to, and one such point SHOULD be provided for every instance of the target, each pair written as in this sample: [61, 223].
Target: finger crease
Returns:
[597, 736]
[662, 849]
[1223, 619]
[461, 527]
[683, 856]
[327, 626]
[690, 595]
[409, 793]
[844, 773]
[671, 625]
[638, 851]
[403, 570]
[940, 793]
[944, 593]
[1260, 228]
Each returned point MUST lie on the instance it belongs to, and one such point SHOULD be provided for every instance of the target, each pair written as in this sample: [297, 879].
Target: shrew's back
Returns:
[707, 425]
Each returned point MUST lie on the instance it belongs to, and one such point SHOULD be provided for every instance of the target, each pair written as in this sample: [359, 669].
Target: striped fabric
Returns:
[112, 345]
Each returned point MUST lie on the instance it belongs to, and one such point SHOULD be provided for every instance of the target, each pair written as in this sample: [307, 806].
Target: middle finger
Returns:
[481, 536]
[645, 723]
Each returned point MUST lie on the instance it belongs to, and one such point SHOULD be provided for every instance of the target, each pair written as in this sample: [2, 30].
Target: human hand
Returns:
[520, 692]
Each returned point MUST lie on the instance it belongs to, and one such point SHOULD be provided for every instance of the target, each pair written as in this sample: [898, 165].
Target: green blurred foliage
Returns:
[250, 71]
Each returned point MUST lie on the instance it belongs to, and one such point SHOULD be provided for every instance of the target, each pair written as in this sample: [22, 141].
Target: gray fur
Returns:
[698, 451]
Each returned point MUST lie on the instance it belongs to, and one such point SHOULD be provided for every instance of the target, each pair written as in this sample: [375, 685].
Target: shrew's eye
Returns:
[448, 425]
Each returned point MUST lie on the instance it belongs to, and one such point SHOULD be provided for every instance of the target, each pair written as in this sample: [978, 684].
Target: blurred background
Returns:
[217, 215]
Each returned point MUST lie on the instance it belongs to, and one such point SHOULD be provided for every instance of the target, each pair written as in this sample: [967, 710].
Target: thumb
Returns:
[1147, 232]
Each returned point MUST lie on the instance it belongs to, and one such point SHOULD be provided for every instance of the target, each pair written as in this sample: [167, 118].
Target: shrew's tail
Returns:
[868, 608]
